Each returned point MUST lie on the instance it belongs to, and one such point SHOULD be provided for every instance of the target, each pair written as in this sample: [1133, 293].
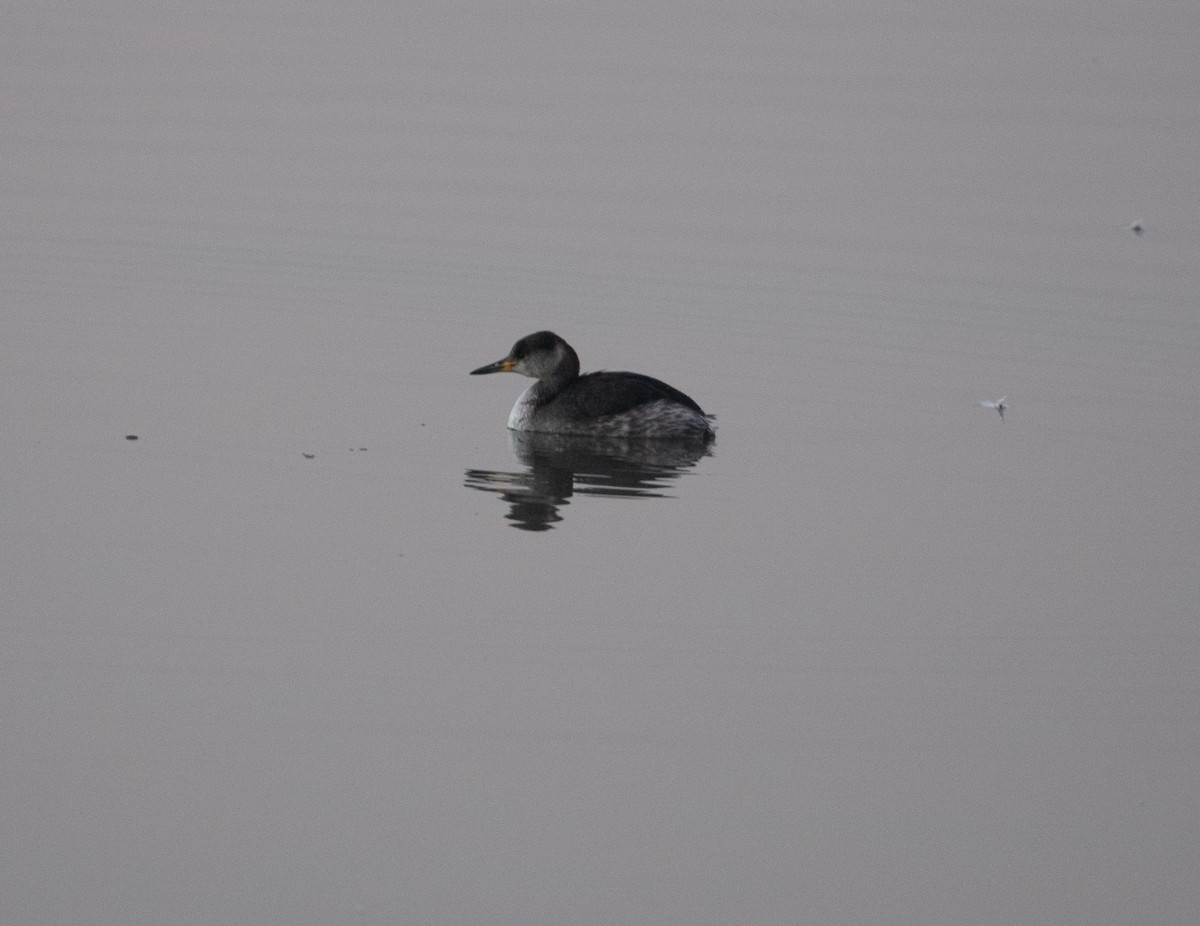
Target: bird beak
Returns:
[500, 366]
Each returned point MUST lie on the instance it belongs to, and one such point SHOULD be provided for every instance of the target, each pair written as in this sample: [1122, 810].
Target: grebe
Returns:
[608, 404]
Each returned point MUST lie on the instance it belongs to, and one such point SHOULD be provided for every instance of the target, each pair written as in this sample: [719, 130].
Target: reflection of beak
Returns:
[500, 366]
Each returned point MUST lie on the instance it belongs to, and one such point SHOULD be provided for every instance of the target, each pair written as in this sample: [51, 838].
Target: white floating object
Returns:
[999, 405]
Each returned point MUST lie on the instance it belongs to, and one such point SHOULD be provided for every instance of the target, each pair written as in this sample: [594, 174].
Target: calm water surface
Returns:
[877, 657]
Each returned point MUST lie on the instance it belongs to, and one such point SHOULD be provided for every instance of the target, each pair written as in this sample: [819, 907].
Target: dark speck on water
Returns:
[131, 437]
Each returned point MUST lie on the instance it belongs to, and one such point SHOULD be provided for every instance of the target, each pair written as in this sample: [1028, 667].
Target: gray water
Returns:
[880, 657]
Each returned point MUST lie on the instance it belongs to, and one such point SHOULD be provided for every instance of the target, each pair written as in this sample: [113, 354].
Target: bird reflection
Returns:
[560, 466]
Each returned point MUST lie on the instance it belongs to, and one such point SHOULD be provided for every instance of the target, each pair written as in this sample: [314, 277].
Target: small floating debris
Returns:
[131, 437]
[308, 456]
[1138, 227]
[1000, 405]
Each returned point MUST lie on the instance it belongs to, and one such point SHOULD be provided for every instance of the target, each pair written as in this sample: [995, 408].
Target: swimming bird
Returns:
[999, 405]
[602, 404]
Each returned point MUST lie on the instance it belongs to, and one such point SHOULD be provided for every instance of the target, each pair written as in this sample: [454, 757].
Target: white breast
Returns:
[521, 416]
